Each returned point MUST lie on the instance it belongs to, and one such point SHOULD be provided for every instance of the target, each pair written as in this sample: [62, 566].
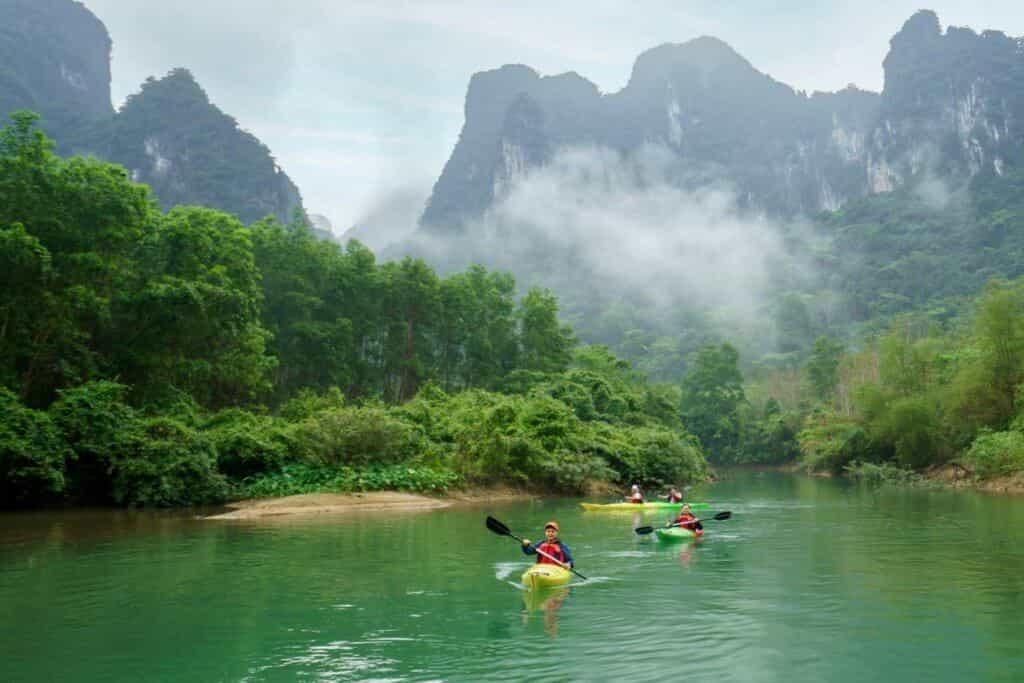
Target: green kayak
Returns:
[640, 507]
[676, 534]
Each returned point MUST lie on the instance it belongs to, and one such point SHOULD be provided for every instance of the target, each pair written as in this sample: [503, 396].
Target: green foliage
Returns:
[100, 427]
[995, 454]
[546, 344]
[300, 478]
[152, 338]
[167, 464]
[768, 435]
[32, 454]
[822, 367]
[829, 442]
[711, 399]
[358, 435]
[249, 444]
[884, 474]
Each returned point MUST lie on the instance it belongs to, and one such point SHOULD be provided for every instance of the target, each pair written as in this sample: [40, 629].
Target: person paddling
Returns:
[688, 521]
[551, 545]
[635, 496]
[674, 496]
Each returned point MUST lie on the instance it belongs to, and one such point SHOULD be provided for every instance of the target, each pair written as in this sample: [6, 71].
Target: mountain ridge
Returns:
[786, 152]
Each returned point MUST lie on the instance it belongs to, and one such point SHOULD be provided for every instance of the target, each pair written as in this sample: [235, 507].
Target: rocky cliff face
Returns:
[952, 103]
[55, 60]
[172, 138]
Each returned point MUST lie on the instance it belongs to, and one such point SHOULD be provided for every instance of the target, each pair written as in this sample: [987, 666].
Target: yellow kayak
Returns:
[653, 506]
[545, 575]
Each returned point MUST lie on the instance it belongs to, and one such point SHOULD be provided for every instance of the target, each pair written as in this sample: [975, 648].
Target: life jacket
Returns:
[672, 498]
[552, 549]
[686, 520]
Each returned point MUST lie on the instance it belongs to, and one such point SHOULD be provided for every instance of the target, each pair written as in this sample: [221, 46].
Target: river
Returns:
[810, 580]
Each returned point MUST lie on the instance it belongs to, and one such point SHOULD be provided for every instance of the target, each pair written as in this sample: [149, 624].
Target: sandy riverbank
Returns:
[313, 504]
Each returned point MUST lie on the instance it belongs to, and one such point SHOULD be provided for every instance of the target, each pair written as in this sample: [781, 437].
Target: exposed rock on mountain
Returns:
[953, 103]
[55, 60]
[172, 138]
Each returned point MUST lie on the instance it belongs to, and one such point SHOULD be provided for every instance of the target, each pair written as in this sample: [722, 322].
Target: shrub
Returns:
[248, 444]
[32, 454]
[98, 425]
[996, 454]
[169, 464]
[357, 436]
[296, 478]
[829, 443]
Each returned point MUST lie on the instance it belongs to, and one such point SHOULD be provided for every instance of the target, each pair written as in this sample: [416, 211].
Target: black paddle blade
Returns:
[642, 530]
[723, 515]
[497, 527]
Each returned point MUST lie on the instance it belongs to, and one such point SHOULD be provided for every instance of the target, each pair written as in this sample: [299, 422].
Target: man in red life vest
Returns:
[551, 545]
[688, 521]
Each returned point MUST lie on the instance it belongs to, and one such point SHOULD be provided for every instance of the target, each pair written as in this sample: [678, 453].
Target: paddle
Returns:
[648, 529]
[502, 530]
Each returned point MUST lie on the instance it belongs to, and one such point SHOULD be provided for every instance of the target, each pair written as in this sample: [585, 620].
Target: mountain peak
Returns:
[705, 53]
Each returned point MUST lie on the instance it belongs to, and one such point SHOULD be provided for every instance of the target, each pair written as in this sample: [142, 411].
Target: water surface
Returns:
[810, 580]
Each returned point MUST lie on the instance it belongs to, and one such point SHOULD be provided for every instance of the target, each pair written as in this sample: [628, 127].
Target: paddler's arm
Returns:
[530, 548]
[568, 555]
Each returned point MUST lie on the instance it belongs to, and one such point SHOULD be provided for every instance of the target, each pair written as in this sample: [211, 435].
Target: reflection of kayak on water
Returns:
[544, 575]
[640, 507]
[545, 599]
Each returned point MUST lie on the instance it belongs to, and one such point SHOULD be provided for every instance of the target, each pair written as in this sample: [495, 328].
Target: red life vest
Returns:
[552, 549]
[686, 520]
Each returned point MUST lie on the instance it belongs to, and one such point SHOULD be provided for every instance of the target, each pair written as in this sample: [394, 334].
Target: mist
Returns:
[644, 231]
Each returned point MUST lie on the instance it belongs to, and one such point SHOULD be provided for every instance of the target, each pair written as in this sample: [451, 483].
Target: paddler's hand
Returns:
[526, 541]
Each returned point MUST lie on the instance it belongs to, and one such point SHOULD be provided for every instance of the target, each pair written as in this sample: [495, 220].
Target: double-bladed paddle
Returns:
[502, 530]
[648, 529]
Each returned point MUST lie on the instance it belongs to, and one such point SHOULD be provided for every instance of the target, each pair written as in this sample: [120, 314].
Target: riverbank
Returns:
[313, 504]
[955, 476]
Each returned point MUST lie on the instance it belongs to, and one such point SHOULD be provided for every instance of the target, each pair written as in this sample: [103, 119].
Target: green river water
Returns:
[811, 580]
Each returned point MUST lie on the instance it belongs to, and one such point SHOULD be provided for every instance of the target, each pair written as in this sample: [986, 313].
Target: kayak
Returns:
[678, 533]
[545, 575]
[640, 507]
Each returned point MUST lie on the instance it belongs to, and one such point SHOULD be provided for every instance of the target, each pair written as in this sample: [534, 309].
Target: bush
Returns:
[299, 478]
[248, 444]
[996, 454]
[884, 473]
[168, 464]
[654, 456]
[32, 454]
[358, 436]
[829, 443]
[98, 425]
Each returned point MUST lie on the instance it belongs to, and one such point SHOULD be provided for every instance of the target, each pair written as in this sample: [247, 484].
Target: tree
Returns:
[545, 343]
[712, 395]
[823, 367]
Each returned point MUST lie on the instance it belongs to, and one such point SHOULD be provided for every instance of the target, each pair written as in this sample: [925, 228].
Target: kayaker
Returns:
[635, 496]
[551, 545]
[674, 496]
[687, 520]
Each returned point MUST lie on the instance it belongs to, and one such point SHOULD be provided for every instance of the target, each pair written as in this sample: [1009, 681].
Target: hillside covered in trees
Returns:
[152, 358]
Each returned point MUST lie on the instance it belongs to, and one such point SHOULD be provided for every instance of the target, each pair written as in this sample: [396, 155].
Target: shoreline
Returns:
[317, 504]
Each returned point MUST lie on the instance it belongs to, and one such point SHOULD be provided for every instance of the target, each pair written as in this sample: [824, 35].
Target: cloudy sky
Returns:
[361, 100]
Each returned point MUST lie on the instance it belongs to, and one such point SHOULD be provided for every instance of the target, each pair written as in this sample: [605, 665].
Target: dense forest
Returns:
[152, 358]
